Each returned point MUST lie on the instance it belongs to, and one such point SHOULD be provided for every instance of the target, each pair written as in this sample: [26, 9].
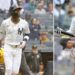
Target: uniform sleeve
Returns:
[72, 27]
[26, 32]
[2, 30]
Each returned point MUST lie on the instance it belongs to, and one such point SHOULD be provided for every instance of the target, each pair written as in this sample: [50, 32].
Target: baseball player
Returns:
[14, 28]
[67, 49]
[68, 53]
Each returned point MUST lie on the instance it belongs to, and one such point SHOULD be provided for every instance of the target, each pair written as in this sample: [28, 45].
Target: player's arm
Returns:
[2, 29]
[2, 33]
[26, 35]
[69, 32]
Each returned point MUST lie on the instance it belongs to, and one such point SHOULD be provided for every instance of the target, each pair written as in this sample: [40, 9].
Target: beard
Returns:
[15, 14]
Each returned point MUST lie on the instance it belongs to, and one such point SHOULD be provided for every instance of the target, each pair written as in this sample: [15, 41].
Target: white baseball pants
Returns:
[12, 59]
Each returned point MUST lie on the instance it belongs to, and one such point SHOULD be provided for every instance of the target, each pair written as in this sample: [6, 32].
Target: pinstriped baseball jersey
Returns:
[14, 32]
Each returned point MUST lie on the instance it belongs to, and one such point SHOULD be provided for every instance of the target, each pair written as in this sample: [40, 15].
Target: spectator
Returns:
[58, 11]
[67, 19]
[34, 60]
[59, 15]
[67, 48]
[33, 5]
[67, 1]
[67, 53]
[40, 10]
[50, 8]
[69, 6]
[43, 4]
[59, 2]
[35, 29]
[29, 5]
[44, 38]
[73, 2]
[28, 18]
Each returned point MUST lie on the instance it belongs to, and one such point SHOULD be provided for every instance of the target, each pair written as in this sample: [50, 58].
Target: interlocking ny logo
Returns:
[20, 30]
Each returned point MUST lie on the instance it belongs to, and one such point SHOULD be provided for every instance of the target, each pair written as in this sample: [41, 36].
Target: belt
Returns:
[14, 46]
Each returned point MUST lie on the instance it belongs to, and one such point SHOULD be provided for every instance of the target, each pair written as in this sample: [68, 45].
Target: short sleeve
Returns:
[26, 28]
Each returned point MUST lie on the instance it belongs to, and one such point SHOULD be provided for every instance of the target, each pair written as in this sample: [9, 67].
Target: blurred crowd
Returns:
[64, 11]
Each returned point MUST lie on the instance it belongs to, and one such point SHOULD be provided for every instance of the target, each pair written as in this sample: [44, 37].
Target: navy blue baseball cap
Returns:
[15, 7]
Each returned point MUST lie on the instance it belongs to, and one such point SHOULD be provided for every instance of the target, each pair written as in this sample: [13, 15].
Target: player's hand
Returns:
[22, 44]
[41, 73]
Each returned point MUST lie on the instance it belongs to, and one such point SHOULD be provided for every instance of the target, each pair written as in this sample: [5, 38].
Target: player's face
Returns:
[16, 13]
[50, 7]
[69, 44]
